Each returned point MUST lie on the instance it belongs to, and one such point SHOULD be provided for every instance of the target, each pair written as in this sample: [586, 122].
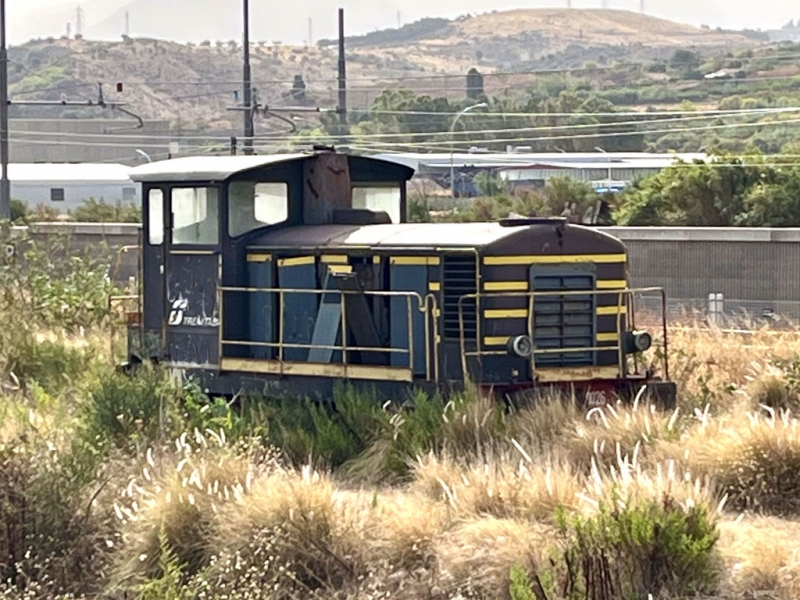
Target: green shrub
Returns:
[126, 411]
[630, 549]
[521, 587]
[55, 524]
[99, 211]
[52, 365]
[330, 433]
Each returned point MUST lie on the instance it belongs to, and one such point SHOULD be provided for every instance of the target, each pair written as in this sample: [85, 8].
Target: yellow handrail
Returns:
[531, 295]
[422, 305]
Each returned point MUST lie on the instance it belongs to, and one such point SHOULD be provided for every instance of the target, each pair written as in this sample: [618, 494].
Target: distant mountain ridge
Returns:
[199, 20]
[193, 85]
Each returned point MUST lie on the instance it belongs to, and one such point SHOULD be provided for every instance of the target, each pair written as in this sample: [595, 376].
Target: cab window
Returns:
[195, 214]
[252, 205]
[379, 198]
[155, 219]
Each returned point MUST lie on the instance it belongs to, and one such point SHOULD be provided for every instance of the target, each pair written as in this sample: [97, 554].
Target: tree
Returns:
[723, 193]
[684, 60]
[299, 89]
[474, 84]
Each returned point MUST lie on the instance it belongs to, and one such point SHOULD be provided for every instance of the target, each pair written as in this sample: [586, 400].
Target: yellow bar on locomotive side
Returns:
[611, 284]
[607, 337]
[259, 257]
[340, 259]
[415, 260]
[339, 269]
[612, 310]
[296, 262]
[506, 286]
[434, 286]
[554, 259]
[500, 340]
[518, 313]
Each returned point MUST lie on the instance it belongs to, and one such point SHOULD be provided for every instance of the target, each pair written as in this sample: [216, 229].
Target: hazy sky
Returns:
[42, 18]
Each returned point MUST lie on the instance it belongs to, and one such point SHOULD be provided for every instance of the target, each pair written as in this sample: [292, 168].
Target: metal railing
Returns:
[426, 306]
[479, 352]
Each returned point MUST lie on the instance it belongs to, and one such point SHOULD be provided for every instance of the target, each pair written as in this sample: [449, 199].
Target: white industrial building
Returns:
[66, 186]
[525, 170]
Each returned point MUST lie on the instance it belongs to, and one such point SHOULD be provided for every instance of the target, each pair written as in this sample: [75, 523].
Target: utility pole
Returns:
[79, 21]
[342, 75]
[127, 23]
[310, 32]
[5, 184]
[248, 93]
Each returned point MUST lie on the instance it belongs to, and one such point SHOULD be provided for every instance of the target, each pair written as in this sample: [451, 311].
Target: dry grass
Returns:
[762, 556]
[503, 486]
[485, 501]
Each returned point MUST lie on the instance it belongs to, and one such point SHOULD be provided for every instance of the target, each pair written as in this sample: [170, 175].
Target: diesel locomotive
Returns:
[289, 273]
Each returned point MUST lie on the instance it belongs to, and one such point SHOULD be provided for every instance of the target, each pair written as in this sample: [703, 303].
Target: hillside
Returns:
[193, 84]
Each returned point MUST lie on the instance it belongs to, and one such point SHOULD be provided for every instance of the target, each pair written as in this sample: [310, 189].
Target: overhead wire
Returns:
[687, 116]
[448, 147]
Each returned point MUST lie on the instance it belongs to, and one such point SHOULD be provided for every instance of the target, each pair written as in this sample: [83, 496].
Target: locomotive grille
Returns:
[564, 321]
[459, 278]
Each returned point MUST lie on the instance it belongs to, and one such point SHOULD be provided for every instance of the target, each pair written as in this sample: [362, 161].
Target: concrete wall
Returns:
[755, 269]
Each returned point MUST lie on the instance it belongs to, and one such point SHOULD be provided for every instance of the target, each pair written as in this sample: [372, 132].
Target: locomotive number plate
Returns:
[597, 398]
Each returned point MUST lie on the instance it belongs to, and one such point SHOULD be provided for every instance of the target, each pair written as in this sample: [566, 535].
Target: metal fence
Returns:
[716, 310]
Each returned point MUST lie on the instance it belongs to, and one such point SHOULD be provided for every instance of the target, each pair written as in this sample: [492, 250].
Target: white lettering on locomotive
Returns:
[178, 317]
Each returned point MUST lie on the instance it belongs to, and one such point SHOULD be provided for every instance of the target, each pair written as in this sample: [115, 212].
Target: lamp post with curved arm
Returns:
[452, 145]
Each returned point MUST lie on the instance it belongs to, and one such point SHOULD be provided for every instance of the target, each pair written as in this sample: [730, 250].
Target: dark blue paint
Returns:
[408, 278]
[262, 309]
[299, 309]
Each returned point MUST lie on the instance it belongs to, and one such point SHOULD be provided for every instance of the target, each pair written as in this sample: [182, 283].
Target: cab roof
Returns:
[221, 168]
[205, 168]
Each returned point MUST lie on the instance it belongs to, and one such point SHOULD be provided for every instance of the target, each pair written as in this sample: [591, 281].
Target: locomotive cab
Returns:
[292, 272]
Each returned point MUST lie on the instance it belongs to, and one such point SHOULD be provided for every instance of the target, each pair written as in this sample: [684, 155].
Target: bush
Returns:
[131, 412]
[754, 458]
[99, 211]
[56, 524]
[632, 549]
[51, 364]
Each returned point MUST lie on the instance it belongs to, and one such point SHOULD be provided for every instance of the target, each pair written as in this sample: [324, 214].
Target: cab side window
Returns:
[252, 205]
[155, 217]
[195, 213]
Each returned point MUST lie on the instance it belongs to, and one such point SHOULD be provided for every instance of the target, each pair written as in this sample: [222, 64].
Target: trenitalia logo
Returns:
[178, 316]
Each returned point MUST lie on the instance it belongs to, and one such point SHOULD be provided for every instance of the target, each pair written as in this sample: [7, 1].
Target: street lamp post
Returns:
[599, 149]
[452, 145]
[141, 152]
[5, 184]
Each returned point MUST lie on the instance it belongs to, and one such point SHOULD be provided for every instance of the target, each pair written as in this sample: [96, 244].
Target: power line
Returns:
[687, 116]
[447, 148]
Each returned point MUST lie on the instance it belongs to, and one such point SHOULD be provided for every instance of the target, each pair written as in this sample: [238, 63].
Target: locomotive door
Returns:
[192, 265]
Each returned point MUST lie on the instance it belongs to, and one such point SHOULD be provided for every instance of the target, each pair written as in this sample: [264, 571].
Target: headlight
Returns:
[638, 341]
[520, 345]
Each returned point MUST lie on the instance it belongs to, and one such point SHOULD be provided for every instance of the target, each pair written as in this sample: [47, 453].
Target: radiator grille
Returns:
[564, 321]
[459, 278]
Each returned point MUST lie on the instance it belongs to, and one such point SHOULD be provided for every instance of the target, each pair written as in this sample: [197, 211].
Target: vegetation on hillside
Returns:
[727, 191]
[147, 488]
[190, 84]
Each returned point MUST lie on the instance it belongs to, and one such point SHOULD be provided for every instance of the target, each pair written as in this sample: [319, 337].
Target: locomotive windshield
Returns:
[252, 205]
[379, 198]
[196, 215]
